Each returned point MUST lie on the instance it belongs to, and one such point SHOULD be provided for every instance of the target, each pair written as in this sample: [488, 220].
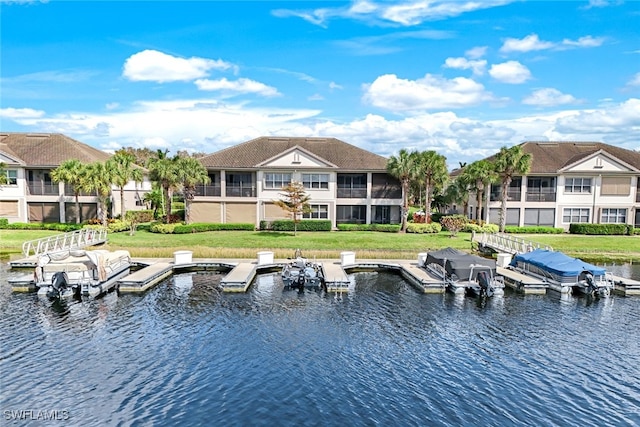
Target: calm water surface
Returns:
[382, 355]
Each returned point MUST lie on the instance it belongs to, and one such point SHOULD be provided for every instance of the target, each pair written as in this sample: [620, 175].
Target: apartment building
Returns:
[346, 184]
[572, 182]
[30, 195]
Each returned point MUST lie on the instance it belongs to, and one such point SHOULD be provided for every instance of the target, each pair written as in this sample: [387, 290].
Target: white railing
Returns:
[502, 242]
[63, 242]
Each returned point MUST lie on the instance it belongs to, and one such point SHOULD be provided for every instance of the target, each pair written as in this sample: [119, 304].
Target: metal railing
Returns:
[63, 242]
[502, 242]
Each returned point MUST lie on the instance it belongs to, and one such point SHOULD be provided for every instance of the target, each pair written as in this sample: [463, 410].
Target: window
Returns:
[317, 212]
[276, 180]
[616, 186]
[614, 216]
[315, 180]
[575, 215]
[352, 185]
[541, 189]
[240, 185]
[577, 185]
[12, 177]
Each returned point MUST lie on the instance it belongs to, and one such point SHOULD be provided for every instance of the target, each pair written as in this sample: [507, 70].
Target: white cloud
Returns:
[477, 66]
[334, 85]
[20, 113]
[533, 43]
[548, 97]
[405, 13]
[154, 66]
[635, 81]
[511, 72]
[430, 92]
[315, 97]
[241, 85]
[527, 44]
[476, 52]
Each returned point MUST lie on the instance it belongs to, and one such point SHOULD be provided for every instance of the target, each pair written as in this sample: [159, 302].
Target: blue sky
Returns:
[462, 78]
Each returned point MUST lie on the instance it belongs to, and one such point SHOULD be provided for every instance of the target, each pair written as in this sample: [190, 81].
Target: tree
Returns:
[458, 192]
[295, 201]
[453, 223]
[432, 170]
[189, 173]
[154, 199]
[403, 167]
[3, 173]
[163, 170]
[124, 170]
[98, 177]
[480, 175]
[509, 162]
[71, 172]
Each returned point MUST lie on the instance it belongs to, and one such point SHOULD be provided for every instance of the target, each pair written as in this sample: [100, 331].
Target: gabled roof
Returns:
[553, 156]
[48, 149]
[252, 153]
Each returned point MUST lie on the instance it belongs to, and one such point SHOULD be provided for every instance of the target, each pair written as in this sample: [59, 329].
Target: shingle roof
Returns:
[552, 156]
[251, 153]
[48, 149]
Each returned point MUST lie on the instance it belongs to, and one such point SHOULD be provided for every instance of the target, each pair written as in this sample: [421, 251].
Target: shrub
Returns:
[454, 223]
[485, 228]
[158, 227]
[419, 217]
[4, 222]
[436, 216]
[55, 226]
[383, 228]
[139, 216]
[433, 227]
[602, 229]
[118, 226]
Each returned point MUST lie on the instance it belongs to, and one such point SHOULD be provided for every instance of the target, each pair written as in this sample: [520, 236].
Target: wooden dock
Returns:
[522, 283]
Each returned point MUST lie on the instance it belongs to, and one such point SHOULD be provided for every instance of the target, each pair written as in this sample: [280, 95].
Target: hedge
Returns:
[304, 225]
[419, 228]
[532, 229]
[55, 226]
[602, 229]
[206, 226]
[384, 228]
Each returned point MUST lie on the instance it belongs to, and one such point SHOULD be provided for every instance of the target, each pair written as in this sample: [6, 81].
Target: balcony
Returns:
[208, 190]
[512, 195]
[241, 191]
[542, 196]
[352, 193]
[40, 188]
[69, 191]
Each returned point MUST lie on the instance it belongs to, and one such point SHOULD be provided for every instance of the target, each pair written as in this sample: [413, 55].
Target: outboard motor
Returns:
[486, 290]
[591, 285]
[59, 284]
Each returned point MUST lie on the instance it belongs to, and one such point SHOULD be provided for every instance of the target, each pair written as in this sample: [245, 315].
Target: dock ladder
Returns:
[507, 243]
[77, 239]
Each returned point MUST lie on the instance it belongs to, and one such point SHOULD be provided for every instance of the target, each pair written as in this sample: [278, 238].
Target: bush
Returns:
[55, 226]
[304, 225]
[4, 222]
[158, 227]
[205, 226]
[602, 229]
[533, 229]
[118, 226]
[434, 227]
[139, 216]
[436, 216]
[454, 223]
[485, 228]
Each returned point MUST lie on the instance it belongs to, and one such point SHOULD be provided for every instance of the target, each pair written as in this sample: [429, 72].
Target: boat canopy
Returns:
[557, 263]
[458, 262]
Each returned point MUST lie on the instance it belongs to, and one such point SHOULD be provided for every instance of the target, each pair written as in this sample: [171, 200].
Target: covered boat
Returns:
[300, 273]
[462, 272]
[79, 273]
[564, 273]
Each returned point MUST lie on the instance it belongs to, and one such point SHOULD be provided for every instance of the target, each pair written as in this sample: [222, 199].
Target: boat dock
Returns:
[240, 274]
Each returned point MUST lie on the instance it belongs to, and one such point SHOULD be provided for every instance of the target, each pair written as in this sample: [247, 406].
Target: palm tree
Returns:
[190, 172]
[71, 173]
[432, 170]
[510, 162]
[164, 172]
[154, 199]
[403, 167]
[98, 177]
[480, 175]
[124, 170]
[458, 192]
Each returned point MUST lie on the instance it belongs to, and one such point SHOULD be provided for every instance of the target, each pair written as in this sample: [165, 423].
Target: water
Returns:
[383, 355]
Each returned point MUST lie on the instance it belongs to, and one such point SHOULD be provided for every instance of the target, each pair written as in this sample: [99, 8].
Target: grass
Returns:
[366, 245]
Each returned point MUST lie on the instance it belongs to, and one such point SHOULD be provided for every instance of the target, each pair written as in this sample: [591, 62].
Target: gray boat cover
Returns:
[458, 262]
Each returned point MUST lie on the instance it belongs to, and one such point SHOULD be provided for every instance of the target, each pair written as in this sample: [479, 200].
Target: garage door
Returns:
[241, 212]
[205, 212]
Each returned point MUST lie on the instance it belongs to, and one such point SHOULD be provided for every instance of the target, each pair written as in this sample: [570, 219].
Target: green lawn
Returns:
[245, 244]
